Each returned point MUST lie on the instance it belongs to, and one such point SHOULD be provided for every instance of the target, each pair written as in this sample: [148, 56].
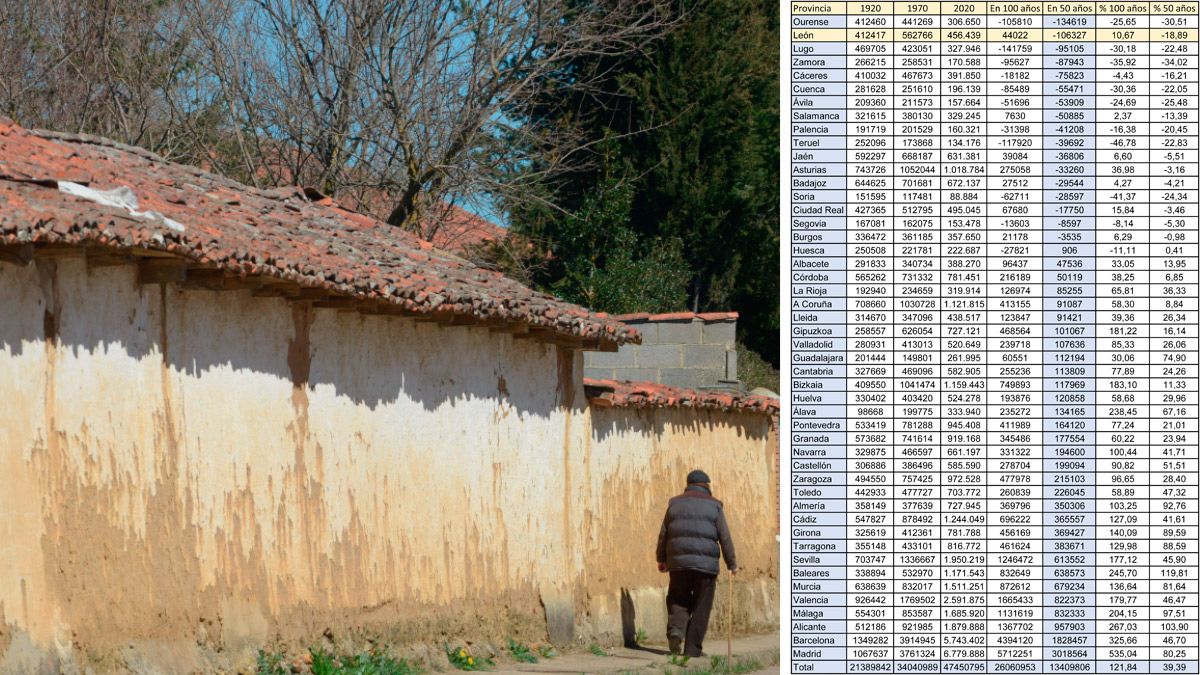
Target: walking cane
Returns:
[729, 623]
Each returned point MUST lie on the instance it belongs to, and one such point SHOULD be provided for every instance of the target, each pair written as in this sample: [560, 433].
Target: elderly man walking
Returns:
[694, 535]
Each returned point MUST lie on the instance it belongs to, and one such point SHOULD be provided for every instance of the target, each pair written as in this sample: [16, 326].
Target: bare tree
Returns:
[118, 68]
[396, 107]
[399, 105]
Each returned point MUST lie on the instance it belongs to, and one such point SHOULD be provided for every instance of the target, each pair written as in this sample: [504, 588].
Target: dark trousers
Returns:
[689, 602]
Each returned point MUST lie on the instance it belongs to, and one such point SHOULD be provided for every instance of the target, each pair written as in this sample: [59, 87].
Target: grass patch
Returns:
[367, 663]
[547, 651]
[463, 659]
[716, 665]
[520, 652]
[323, 662]
[597, 650]
[640, 636]
[271, 664]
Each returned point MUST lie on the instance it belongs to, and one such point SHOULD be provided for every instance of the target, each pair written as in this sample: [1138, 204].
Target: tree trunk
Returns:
[401, 215]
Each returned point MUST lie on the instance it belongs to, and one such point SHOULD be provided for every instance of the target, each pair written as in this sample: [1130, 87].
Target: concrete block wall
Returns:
[681, 349]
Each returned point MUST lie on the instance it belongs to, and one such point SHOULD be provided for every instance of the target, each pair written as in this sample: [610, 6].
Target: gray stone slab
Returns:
[731, 365]
[560, 618]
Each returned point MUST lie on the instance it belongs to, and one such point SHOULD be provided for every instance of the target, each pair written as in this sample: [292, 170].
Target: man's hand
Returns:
[735, 570]
[662, 567]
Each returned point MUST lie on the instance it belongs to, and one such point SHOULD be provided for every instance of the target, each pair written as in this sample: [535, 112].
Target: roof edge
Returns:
[252, 273]
[626, 393]
[706, 317]
[66, 194]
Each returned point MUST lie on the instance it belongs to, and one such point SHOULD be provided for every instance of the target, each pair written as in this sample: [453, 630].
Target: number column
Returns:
[918, 324]
[1069, 338]
[1123, 344]
[1173, 338]
[964, 350]
[817, 368]
[1014, 336]
[869, 227]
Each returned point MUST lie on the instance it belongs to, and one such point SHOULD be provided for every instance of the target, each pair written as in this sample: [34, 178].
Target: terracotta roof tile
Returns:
[673, 316]
[717, 316]
[655, 395]
[245, 231]
[707, 317]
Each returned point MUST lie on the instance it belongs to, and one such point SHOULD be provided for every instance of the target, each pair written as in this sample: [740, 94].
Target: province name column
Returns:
[817, 227]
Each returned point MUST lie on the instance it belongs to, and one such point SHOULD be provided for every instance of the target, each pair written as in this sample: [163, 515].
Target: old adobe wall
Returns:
[187, 475]
[633, 466]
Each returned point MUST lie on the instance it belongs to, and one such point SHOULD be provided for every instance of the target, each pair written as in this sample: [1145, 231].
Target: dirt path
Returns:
[652, 658]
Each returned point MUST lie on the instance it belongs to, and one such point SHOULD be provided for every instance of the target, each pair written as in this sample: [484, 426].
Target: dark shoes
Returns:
[675, 644]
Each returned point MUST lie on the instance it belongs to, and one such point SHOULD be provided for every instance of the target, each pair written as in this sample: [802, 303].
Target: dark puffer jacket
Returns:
[694, 534]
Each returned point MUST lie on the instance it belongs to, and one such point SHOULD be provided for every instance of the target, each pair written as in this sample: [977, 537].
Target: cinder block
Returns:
[720, 333]
[680, 332]
[649, 332]
[636, 374]
[623, 358]
[598, 373]
[731, 365]
[689, 378]
[708, 357]
[659, 356]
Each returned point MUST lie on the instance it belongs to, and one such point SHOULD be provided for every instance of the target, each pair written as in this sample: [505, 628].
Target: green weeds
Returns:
[368, 663]
[324, 662]
[716, 665]
[463, 659]
[521, 652]
[270, 664]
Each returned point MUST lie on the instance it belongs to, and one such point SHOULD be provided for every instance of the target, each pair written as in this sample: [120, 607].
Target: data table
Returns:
[992, 419]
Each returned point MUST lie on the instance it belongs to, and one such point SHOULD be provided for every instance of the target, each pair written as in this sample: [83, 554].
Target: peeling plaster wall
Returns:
[187, 475]
[634, 461]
